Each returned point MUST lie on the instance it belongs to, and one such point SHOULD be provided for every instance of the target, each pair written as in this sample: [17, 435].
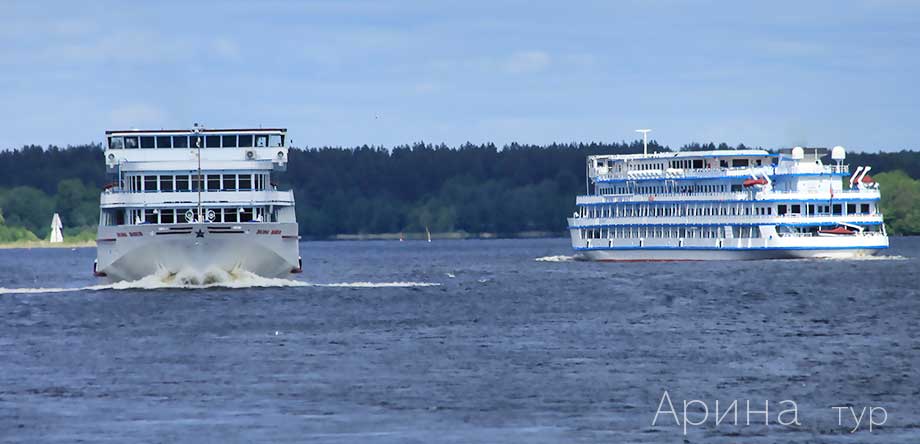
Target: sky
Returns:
[346, 73]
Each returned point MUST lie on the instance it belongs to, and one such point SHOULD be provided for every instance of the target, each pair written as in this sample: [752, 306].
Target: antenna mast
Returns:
[644, 140]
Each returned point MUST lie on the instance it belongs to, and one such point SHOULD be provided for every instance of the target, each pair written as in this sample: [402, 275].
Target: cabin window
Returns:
[231, 215]
[147, 142]
[164, 142]
[212, 141]
[864, 208]
[261, 141]
[229, 181]
[131, 142]
[196, 142]
[837, 209]
[180, 141]
[116, 143]
[851, 208]
[229, 141]
[781, 210]
[740, 163]
[197, 182]
[245, 182]
[168, 216]
[698, 163]
[150, 216]
[150, 183]
[213, 182]
[166, 183]
[182, 183]
[245, 141]
[796, 209]
[246, 215]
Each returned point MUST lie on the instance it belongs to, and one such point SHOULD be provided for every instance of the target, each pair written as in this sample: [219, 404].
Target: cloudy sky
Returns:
[384, 73]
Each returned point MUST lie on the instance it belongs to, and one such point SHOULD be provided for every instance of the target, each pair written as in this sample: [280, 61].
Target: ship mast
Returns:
[644, 140]
[197, 132]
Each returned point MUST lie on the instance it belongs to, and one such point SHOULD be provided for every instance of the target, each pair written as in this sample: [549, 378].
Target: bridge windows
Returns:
[261, 141]
[245, 141]
[147, 142]
[212, 142]
[164, 142]
[131, 142]
[180, 142]
[229, 141]
[116, 143]
[245, 182]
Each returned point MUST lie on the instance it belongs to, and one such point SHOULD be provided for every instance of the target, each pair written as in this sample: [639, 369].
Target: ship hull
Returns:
[136, 251]
[788, 248]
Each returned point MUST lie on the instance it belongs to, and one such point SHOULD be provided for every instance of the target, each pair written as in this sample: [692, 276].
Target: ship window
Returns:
[180, 141]
[261, 141]
[213, 182]
[168, 216]
[149, 216]
[740, 162]
[231, 215]
[864, 208]
[150, 183]
[795, 209]
[116, 143]
[166, 183]
[229, 141]
[212, 141]
[246, 215]
[181, 183]
[245, 182]
[164, 142]
[245, 140]
[147, 142]
[697, 163]
[781, 210]
[130, 142]
[851, 208]
[195, 142]
[197, 182]
[229, 181]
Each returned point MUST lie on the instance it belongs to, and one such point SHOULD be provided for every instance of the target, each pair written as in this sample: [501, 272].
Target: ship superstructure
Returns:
[727, 204]
[198, 200]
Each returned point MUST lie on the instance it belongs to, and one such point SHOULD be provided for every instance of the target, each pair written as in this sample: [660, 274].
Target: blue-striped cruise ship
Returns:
[727, 204]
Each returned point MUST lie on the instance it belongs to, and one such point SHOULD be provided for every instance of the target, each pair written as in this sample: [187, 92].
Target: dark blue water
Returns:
[504, 349]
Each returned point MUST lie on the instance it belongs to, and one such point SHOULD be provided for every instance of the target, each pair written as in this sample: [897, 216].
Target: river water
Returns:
[462, 341]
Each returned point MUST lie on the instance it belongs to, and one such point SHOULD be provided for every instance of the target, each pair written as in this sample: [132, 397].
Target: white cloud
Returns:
[527, 62]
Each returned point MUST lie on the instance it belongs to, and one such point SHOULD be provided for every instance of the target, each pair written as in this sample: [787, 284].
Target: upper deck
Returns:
[152, 150]
[697, 165]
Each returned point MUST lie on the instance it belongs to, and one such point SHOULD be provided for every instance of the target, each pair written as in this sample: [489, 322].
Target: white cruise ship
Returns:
[195, 201]
[734, 204]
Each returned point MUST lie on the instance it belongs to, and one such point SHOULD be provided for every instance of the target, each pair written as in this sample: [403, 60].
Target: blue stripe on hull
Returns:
[695, 248]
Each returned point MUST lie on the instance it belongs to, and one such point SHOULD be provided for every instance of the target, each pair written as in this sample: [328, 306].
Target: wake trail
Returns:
[189, 280]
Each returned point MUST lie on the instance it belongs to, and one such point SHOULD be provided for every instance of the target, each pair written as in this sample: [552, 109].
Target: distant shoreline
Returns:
[28, 245]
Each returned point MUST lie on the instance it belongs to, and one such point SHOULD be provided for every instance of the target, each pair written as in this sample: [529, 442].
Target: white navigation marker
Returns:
[644, 139]
[56, 226]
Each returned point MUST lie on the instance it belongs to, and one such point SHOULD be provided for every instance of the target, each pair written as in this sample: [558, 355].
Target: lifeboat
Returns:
[752, 182]
[840, 230]
[867, 179]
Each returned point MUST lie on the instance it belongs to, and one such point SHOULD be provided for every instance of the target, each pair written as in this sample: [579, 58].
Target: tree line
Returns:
[363, 190]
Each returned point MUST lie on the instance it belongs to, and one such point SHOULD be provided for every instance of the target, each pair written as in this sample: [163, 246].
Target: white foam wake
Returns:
[555, 259]
[213, 278]
[871, 258]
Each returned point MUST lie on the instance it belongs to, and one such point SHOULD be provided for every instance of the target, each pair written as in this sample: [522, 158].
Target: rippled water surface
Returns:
[457, 341]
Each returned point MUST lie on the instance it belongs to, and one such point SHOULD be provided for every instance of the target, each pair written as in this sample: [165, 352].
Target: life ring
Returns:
[189, 216]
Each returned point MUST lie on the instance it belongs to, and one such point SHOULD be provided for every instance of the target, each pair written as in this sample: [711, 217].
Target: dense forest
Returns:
[470, 188]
